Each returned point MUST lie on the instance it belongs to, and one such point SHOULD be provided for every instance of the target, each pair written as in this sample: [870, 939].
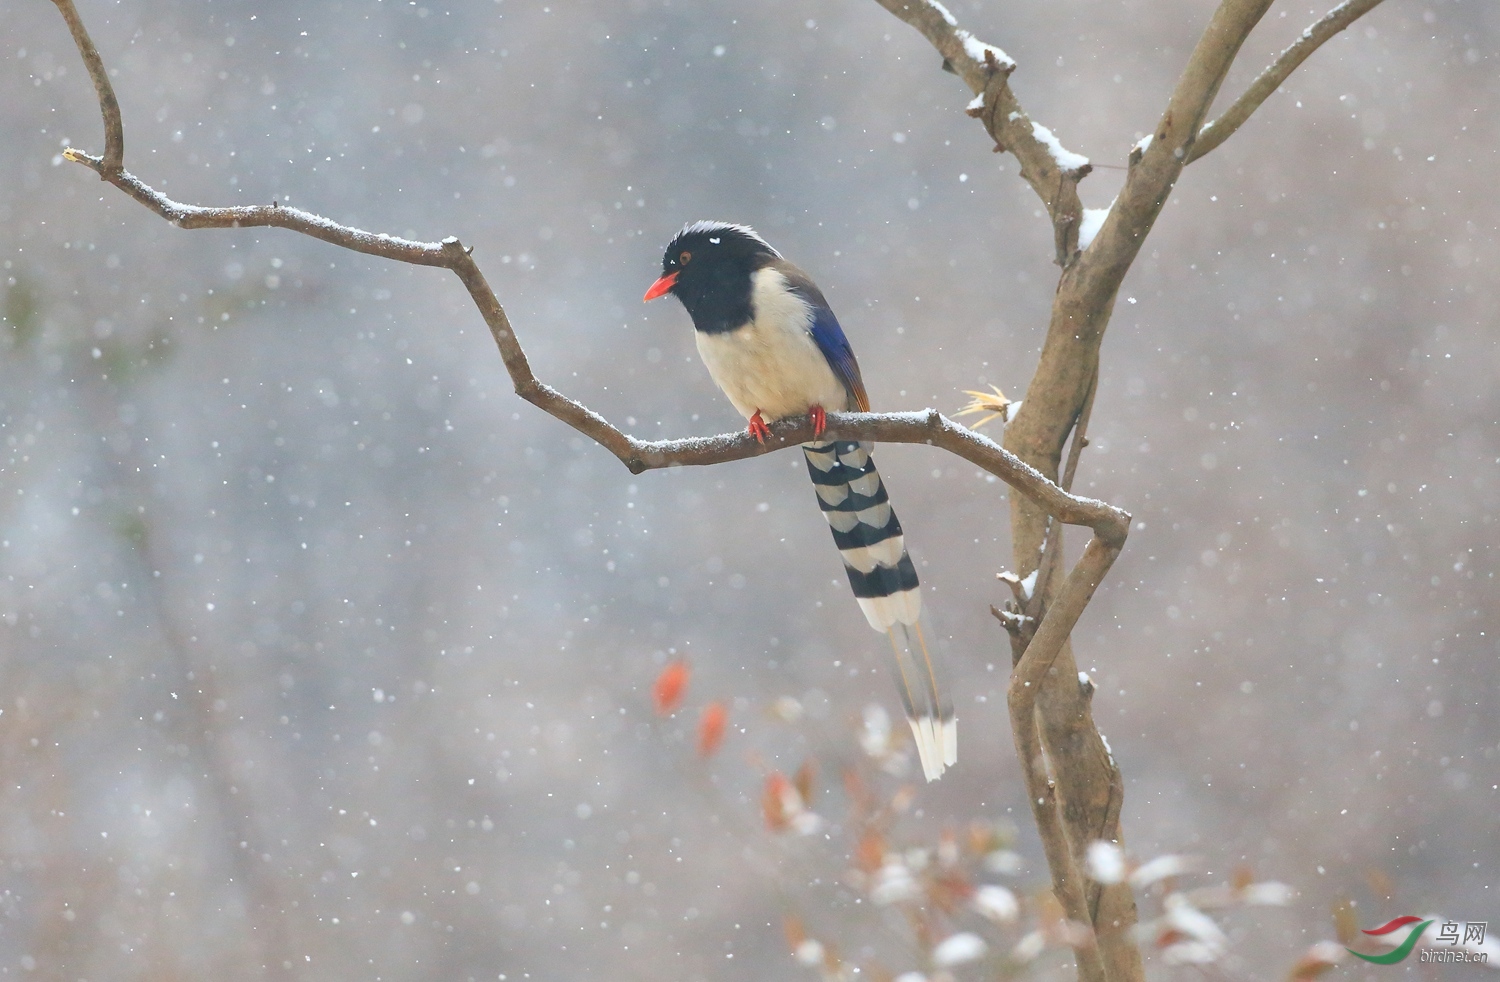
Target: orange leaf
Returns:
[949, 891]
[1345, 920]
[869, 855]
[773, 801]
[803, 780]
[860, 800]
[981, 839]
[711, 728]
[1317, 960]
[1168, 936]
[670, 685]
[795, 932]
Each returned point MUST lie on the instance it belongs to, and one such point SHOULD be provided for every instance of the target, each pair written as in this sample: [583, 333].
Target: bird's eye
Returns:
[682, 260]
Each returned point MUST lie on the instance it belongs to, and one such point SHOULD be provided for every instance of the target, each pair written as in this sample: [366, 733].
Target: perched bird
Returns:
[772, 344]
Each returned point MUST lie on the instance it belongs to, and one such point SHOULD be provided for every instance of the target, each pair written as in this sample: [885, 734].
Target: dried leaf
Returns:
[949, 891]
[1315, 961]
[670, 685]
[803, 780]
[711, 723]
[773, 801]
[1345, 921]
[981, 839]
[993, 404]
[869, 854]
[791, 926]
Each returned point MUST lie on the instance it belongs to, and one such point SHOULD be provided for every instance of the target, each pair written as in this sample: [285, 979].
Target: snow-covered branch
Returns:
[1052, 170]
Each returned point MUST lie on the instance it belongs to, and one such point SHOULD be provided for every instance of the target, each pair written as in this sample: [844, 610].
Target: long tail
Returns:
[869, 538]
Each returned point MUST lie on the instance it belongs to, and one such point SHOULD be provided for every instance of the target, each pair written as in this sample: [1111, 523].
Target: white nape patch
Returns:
[715, 240]
[882, 612]
[866, 558]
[832, 494]
[865, 486]
[772, 365]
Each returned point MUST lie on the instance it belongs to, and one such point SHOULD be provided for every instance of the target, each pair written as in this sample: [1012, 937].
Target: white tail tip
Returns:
[937, 744]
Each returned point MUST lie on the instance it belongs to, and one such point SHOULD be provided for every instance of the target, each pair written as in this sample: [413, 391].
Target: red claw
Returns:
[820, 420]
[758, 428]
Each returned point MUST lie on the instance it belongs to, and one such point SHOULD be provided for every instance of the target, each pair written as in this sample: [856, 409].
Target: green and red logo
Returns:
[1401, 950]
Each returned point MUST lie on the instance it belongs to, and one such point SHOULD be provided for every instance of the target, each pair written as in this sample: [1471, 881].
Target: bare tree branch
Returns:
[1090, 788]
[638, 455]
[1221, 129]
[1052, 171]
[1047, 700]
[1080, 434]
[1026, 682]
[1155, 172]
[114, 129]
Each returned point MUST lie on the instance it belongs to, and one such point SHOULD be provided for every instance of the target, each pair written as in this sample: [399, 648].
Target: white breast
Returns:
[772, 365]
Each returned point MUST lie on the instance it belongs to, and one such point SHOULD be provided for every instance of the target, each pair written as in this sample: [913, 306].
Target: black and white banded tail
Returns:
[869, 539]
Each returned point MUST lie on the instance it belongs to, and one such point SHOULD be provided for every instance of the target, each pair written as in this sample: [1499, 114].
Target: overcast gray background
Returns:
[319, 646]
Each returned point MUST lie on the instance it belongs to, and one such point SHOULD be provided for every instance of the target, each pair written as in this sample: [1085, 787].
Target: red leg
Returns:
[758, 428]
[820, 420]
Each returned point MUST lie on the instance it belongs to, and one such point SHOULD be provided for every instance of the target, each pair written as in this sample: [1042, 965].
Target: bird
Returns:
[774, 347]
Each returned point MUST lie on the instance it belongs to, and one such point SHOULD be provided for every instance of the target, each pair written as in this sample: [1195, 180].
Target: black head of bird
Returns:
[708, 266]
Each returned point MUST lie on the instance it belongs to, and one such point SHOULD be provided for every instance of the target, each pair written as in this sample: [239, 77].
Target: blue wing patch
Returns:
[835, 347]
[827, 334]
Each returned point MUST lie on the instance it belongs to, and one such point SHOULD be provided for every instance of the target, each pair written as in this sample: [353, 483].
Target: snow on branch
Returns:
[638, 455]
[1052, 171]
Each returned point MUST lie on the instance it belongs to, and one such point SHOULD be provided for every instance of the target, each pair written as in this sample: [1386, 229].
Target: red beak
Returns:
[662, 285]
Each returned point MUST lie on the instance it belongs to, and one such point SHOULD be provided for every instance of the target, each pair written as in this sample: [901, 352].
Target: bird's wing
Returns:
[828, 335]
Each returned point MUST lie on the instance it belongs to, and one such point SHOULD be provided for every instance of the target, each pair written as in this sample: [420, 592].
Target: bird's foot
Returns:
[758, 428]
[819, 420]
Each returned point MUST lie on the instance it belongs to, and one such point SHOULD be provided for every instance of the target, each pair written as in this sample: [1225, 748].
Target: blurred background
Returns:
[324, 656]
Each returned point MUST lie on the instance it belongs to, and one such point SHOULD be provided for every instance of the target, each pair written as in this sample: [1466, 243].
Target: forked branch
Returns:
[1051, 713]
[1221, 129]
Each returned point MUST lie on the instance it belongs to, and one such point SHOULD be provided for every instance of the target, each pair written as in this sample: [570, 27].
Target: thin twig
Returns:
[1080, 433]
[109, 106]
[1221, 129]
[930, 427]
